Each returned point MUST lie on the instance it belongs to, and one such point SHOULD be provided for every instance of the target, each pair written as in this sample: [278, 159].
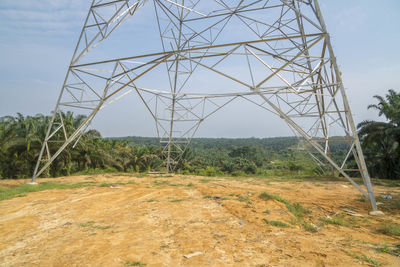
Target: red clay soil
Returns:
[156, 220]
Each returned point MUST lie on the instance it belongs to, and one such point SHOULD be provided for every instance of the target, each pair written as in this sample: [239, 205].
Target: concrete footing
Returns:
[376, 213]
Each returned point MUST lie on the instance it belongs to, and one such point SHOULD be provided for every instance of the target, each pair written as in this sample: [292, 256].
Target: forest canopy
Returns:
[21, 139]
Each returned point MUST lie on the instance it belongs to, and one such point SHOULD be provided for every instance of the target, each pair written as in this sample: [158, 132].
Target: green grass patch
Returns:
[396, 250]
[389, 229]
[91, 224]
[276, 223]
[309, 227]
[175, 184]
[141, 175]
[362, 199]
[106, 184]
[102, 227]
[116, 183]
[135, 263]
[87, 224]
[207, 196]
[296, 209]
[391, 205]
[364, 258]
[21, 190]
[177, 200]
[243, 199]
[190, 184]
[96, 171]
[384, 249]
[388, 183]
[160, 183]
[204, 180]
[336, 220]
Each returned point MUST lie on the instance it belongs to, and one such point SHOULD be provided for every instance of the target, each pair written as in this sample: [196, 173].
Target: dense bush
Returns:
[21, 140]
[381, 140]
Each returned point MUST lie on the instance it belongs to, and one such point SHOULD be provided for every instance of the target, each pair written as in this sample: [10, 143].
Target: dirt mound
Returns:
[124, 220]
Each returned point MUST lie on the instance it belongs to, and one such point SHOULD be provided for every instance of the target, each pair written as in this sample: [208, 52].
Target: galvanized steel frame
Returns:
[298, 43]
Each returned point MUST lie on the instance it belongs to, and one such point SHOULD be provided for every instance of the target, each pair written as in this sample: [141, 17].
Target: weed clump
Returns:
[296, 209]
[135, 263]
[18, 191]
[309, 227]
[389, 229]
[337, 220]
[364, 258]
[276, 223]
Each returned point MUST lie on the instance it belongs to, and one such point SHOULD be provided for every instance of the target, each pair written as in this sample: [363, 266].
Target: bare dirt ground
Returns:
[156, 220]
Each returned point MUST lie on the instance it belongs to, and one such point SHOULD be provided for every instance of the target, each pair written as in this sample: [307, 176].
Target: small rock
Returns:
[352, 212]
[345, 186]
[32, 183]
[187, 256]
[376, 213]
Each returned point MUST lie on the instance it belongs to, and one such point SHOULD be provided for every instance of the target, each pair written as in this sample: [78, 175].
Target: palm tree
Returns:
[381, 140]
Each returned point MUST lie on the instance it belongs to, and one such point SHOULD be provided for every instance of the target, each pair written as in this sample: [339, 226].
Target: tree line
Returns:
[21, 139]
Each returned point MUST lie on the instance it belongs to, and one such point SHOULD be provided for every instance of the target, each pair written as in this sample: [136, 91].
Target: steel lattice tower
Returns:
[281, 59]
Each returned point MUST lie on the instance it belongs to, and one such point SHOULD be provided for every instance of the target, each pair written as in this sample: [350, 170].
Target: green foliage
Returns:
[246, 156]
[18, 191]
[309, 227]
[296, 209]
[380, 140]
[91, 224]
[210, 171]
[276, 223]
[266, 196]
[135, 263]
[384, 249]
[396, 250]
[21, 141]
[364, 258]
[177, 200]
[336, 220]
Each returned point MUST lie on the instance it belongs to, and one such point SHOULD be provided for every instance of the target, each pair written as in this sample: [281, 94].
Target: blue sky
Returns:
[37, 39]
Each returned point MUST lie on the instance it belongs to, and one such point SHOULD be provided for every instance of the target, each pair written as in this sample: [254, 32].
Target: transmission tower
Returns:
[276, 54]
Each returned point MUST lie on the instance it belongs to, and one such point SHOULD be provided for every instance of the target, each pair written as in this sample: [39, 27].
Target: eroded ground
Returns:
[155, 220]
